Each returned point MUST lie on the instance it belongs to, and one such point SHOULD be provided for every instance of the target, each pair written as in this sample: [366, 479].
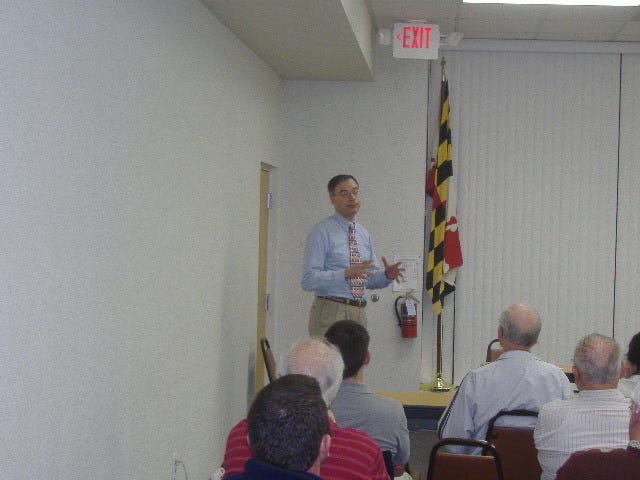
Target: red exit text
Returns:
[415, 37]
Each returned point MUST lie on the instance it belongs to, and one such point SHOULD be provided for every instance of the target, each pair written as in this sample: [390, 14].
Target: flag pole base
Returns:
[437, 384]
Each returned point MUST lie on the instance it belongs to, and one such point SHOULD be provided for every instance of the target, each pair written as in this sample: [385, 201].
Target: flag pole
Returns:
[438, 384]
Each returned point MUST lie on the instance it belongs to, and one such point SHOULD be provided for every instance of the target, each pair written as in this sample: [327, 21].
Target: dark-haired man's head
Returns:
[633, 354]
[344, 193]
[288, 424]
[353, 341]
[333, 183]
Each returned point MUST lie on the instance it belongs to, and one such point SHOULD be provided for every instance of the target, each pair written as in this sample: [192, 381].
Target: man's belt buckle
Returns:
[347, 301]
[357, 303]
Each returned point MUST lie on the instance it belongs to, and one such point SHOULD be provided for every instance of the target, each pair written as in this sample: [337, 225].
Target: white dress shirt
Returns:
[592, 419]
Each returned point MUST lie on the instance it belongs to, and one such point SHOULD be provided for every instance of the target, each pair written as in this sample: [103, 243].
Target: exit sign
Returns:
[416, 40]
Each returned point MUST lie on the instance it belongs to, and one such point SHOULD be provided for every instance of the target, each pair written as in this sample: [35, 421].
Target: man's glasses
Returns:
[345, 193]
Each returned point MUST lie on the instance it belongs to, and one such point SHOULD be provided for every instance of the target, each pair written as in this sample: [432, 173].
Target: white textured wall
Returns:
[536, 156]
[130, 142]
[536, 159]
[627, 306]
[377, 132]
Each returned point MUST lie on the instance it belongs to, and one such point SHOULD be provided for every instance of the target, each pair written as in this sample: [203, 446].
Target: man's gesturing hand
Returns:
[392, 271]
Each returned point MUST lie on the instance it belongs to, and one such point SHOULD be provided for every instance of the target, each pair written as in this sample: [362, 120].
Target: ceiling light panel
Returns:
[608, 3]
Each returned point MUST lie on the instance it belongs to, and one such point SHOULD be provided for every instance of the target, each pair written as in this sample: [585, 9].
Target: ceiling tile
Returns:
[487, 28]
[600, 30]
[515, 12]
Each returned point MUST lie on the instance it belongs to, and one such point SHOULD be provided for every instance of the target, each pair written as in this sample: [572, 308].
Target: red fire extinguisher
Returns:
[405, 307]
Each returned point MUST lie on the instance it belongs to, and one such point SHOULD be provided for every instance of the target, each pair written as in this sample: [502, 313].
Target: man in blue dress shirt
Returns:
[339, 261]
[517, 380]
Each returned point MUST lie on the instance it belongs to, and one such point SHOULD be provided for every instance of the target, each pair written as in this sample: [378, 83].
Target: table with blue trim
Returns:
[424, 408]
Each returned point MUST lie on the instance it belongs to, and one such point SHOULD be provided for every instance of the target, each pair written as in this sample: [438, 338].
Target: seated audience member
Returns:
[516, 380]
[354, 456]
[630, 375]
[597, 417]
[356, 406]
[621, 463]
[288, 431]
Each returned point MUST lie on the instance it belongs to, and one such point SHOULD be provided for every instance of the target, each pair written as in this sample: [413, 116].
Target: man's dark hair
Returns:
[353, 341]
[287, 421]
[633, 355]
[331, 186]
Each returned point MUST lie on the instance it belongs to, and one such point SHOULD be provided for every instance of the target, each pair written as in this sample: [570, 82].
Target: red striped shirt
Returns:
[352, 456]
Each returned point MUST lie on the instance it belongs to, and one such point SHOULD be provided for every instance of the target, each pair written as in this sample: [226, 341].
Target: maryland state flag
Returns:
[445, 254]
